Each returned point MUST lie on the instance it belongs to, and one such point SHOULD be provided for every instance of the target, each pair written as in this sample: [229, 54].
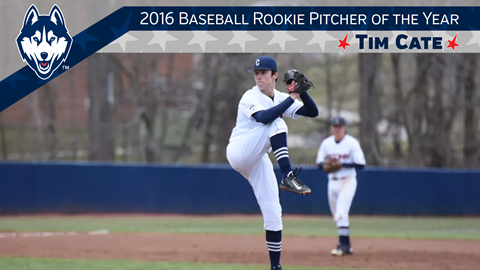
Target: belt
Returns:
[339, 178]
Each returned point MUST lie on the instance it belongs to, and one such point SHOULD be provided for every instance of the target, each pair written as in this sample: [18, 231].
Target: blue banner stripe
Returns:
[303, 18]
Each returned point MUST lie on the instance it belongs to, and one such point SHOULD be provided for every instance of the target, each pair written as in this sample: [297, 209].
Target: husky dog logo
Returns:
[44, 41]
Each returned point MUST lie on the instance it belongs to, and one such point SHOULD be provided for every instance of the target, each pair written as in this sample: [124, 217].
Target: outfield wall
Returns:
[217, 189]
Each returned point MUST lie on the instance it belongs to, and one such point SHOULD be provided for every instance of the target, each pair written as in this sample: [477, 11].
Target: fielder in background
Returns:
[339, 156]
[260, 129]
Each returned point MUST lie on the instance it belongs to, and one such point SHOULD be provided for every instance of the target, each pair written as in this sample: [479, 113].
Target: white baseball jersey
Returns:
[348, 150]
[254, 101]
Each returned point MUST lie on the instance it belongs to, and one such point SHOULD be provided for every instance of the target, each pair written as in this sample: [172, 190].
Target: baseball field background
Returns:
[120, 164]
[233, 242]
[127, 216]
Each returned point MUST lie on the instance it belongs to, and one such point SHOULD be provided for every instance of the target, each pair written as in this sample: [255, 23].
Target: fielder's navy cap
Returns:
[338, 121]
[264, 62]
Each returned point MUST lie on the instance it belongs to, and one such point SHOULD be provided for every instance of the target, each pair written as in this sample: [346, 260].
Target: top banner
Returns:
[46, 47]
[304, 18]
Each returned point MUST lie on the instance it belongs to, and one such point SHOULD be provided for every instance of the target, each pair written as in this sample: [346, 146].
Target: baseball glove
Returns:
[301, 85]
[331, 164]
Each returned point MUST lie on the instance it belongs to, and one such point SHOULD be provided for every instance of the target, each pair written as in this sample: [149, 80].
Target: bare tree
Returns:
[343, 83]
[149, 93]
[417, 108]
[48, 103]
[329, 88]
[73, 113]
[101, 135]
[164, 118]
[128, 125]
[38, 117]
[399, 117]
[437, 137]
[210, 80]
[470, 140]
[369, 67]
[200, 113]
[100, 125]
[143, 97]
[187, 135]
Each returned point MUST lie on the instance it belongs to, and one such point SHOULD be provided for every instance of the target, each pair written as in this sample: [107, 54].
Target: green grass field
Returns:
[384, 227]
[63, 264]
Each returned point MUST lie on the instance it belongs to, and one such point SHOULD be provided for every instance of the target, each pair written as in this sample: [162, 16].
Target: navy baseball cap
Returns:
[338, 121]
[264, 62]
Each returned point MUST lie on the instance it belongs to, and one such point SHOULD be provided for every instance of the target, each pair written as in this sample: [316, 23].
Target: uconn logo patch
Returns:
[44, 41]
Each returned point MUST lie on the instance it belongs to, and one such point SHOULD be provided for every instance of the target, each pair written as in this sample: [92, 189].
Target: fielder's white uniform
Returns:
[342, 184]
[247, 151]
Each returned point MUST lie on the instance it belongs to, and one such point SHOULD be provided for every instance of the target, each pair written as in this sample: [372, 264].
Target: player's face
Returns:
[264, 79]
[339, 131]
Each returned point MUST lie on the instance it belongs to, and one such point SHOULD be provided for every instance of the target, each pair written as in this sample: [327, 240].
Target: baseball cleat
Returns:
[342, 249]
[278, 267]
[293, 184]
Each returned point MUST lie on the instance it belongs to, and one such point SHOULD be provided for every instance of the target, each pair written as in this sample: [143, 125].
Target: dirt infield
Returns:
[305, 251]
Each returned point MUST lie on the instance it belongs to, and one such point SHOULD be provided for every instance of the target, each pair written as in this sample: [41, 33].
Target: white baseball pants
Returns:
[340, 197]
[249, 157]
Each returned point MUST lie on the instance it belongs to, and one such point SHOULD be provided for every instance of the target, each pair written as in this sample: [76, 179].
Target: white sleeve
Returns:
[321, 153]
[357, 154]
[249, 105]
[290, 112]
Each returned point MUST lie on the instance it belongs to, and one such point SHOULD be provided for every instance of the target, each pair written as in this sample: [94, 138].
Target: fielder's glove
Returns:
[331, 164]
[301, 84]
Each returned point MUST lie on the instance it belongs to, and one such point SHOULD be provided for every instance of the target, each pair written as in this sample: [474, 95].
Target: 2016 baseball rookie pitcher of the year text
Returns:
[339, 156]
[260, 129]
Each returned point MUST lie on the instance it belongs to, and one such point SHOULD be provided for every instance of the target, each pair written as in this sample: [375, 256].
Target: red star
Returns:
[452, 43]
[343, 43]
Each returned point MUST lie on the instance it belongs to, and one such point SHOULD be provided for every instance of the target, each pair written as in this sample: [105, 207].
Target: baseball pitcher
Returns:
[339, 156]
[260, 129]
